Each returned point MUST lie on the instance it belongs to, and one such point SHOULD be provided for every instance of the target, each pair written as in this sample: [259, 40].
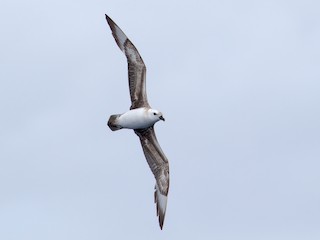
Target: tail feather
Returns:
[113, 122]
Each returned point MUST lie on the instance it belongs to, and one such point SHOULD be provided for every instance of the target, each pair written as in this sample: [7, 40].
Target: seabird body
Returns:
[141, 118]
[138, 118]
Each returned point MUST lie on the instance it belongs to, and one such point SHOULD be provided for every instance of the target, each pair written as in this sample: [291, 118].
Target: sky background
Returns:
[238, 83]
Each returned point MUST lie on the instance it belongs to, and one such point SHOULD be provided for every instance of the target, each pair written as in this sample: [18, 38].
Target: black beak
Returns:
[162, 118]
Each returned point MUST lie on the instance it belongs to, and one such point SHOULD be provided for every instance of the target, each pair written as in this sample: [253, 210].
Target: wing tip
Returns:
[117, 33]
[161, 206]
[109, 20]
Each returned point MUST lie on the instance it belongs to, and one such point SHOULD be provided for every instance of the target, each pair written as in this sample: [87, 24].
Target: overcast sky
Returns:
[238, 83]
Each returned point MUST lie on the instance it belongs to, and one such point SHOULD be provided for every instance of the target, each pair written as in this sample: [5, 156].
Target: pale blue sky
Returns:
[238, 83]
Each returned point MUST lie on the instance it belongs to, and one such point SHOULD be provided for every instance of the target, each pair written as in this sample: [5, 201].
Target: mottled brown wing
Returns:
[136, 67]
[159, 166]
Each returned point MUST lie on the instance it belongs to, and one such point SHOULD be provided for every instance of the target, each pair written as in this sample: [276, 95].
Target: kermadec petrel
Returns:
[141, 118]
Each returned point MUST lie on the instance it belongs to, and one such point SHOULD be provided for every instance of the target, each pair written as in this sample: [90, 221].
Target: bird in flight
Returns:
[141, 118]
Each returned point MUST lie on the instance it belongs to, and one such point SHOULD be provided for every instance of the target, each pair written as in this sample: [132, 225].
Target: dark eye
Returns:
[154, 114]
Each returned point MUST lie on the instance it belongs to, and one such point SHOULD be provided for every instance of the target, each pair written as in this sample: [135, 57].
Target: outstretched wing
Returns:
[136, 67]
[159, 166]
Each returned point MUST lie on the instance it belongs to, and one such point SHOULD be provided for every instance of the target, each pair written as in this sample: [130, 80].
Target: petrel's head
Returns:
[156, 115]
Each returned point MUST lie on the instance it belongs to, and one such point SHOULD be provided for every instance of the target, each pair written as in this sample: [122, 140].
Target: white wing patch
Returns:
[121, 37]
[132, 53]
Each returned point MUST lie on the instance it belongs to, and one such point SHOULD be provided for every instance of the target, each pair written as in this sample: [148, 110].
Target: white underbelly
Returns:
[135, 119]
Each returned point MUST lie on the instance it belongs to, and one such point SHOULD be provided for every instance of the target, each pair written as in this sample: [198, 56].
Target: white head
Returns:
[155, 115]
